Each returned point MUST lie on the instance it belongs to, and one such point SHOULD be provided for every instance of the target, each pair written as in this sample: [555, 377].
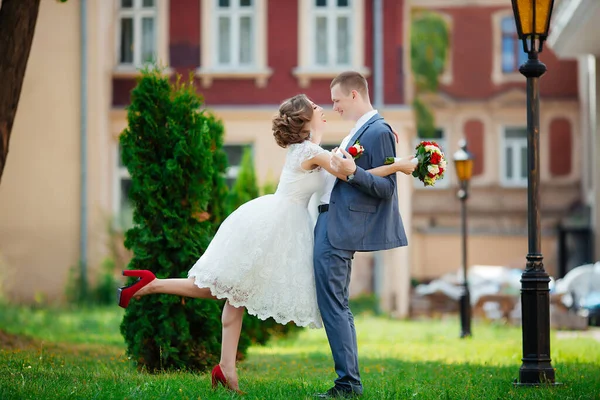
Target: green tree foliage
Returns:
[245, 187]
[270, 186]
[217, 207]
[429, 41]
[167, 150]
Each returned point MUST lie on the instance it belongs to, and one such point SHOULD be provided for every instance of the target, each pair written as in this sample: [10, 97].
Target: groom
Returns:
[358, 215]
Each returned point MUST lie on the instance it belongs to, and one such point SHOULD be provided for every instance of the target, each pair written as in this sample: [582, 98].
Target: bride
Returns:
[261, 257]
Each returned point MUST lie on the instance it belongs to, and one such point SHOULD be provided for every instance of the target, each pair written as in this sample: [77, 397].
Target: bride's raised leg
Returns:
[231, 319]
[177, 286]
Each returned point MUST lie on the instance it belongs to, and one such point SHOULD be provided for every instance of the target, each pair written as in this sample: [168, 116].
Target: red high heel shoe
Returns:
[124, 294]
[218, 376]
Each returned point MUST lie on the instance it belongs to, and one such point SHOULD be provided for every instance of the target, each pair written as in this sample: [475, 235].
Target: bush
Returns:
[168, 150]
[245, 187]
[367, 304]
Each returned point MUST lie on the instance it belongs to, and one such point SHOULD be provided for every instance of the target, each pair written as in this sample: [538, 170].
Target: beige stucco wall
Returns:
[437, 254]
[39, 201]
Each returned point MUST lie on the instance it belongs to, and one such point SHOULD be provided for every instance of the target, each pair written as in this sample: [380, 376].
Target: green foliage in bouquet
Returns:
[168, 148]
[424, 159]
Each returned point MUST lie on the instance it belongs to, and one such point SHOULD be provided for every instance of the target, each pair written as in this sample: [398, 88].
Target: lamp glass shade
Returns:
[532, 17]
[464, 169]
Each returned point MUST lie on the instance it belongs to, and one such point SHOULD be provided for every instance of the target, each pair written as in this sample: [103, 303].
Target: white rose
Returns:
[433, 169]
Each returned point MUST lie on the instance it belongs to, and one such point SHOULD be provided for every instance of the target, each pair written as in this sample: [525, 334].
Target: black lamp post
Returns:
[463, 163]
[533, 20]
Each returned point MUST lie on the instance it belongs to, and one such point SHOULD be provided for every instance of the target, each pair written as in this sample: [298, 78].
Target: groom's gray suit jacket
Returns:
[364, 214]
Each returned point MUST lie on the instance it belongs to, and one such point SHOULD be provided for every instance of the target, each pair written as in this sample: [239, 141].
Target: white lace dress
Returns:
[262, 255]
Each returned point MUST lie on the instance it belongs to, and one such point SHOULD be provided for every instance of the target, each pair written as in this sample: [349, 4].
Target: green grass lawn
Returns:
[81, 355]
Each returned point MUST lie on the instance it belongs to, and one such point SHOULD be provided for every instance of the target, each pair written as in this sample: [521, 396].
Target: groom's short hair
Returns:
[351, 80]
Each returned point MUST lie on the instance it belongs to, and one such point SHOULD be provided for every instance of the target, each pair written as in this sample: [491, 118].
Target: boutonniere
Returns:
[356, 150]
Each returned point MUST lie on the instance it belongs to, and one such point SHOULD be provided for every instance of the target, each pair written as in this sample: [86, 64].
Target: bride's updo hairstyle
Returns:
[291, 124]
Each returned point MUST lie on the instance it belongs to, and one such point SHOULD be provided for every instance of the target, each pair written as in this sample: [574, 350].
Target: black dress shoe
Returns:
[336, 392]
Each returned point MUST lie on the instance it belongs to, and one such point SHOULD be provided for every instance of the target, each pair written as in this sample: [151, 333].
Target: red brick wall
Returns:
[393, 49]
[184, 35]
[561, 145]
[472, 41]
[282, 56]
[474, 134]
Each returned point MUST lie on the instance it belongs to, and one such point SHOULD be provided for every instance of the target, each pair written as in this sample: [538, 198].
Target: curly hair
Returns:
[291, 125]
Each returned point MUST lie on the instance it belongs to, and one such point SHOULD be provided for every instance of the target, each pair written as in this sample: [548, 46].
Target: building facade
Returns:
[246, 56]
[64, 187]
[482, 98]
[574, 36]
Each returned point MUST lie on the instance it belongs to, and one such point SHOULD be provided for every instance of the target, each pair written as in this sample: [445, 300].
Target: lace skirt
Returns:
[262, 258]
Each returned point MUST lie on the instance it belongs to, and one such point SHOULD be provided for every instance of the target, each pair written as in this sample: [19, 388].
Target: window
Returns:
[332, 27]
[233, 41]
[507, 49]
[137, 32]
[514, 157]
[123, 208]
[235, 33]
[440, 138]
[234, 152]
[513, 55]
[330, 39]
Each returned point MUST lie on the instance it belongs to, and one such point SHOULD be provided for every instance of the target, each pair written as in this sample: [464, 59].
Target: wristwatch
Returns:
[350, 177]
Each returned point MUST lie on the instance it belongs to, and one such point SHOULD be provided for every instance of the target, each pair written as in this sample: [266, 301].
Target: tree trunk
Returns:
[17, 26]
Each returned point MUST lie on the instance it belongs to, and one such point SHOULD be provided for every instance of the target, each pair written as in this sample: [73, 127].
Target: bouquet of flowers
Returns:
[431, 163]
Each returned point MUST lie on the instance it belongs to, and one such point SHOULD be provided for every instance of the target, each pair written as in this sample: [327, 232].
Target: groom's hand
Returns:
[345, 166]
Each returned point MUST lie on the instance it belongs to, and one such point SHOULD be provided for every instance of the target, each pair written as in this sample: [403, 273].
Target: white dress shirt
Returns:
[329, 180]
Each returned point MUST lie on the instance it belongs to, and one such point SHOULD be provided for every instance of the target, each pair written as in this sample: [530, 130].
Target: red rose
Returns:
[430, 174]
[441, 171]
[353, 151]
[436, 158]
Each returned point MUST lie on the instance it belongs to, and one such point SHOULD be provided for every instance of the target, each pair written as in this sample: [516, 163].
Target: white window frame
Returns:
[160, 12]
[233, 171]
[445, 182]
[210, 68]
[234, 12]
[331, 12]
[120, 173]
[516, 144]
[136, 13]
[498, 75]
[307, 68]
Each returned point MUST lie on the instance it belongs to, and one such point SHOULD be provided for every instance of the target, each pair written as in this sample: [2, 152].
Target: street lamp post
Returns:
[463, 163]
[533, 20]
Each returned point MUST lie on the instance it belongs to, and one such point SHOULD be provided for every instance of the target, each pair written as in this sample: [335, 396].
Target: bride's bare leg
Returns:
[232, 326]
[177, 286]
